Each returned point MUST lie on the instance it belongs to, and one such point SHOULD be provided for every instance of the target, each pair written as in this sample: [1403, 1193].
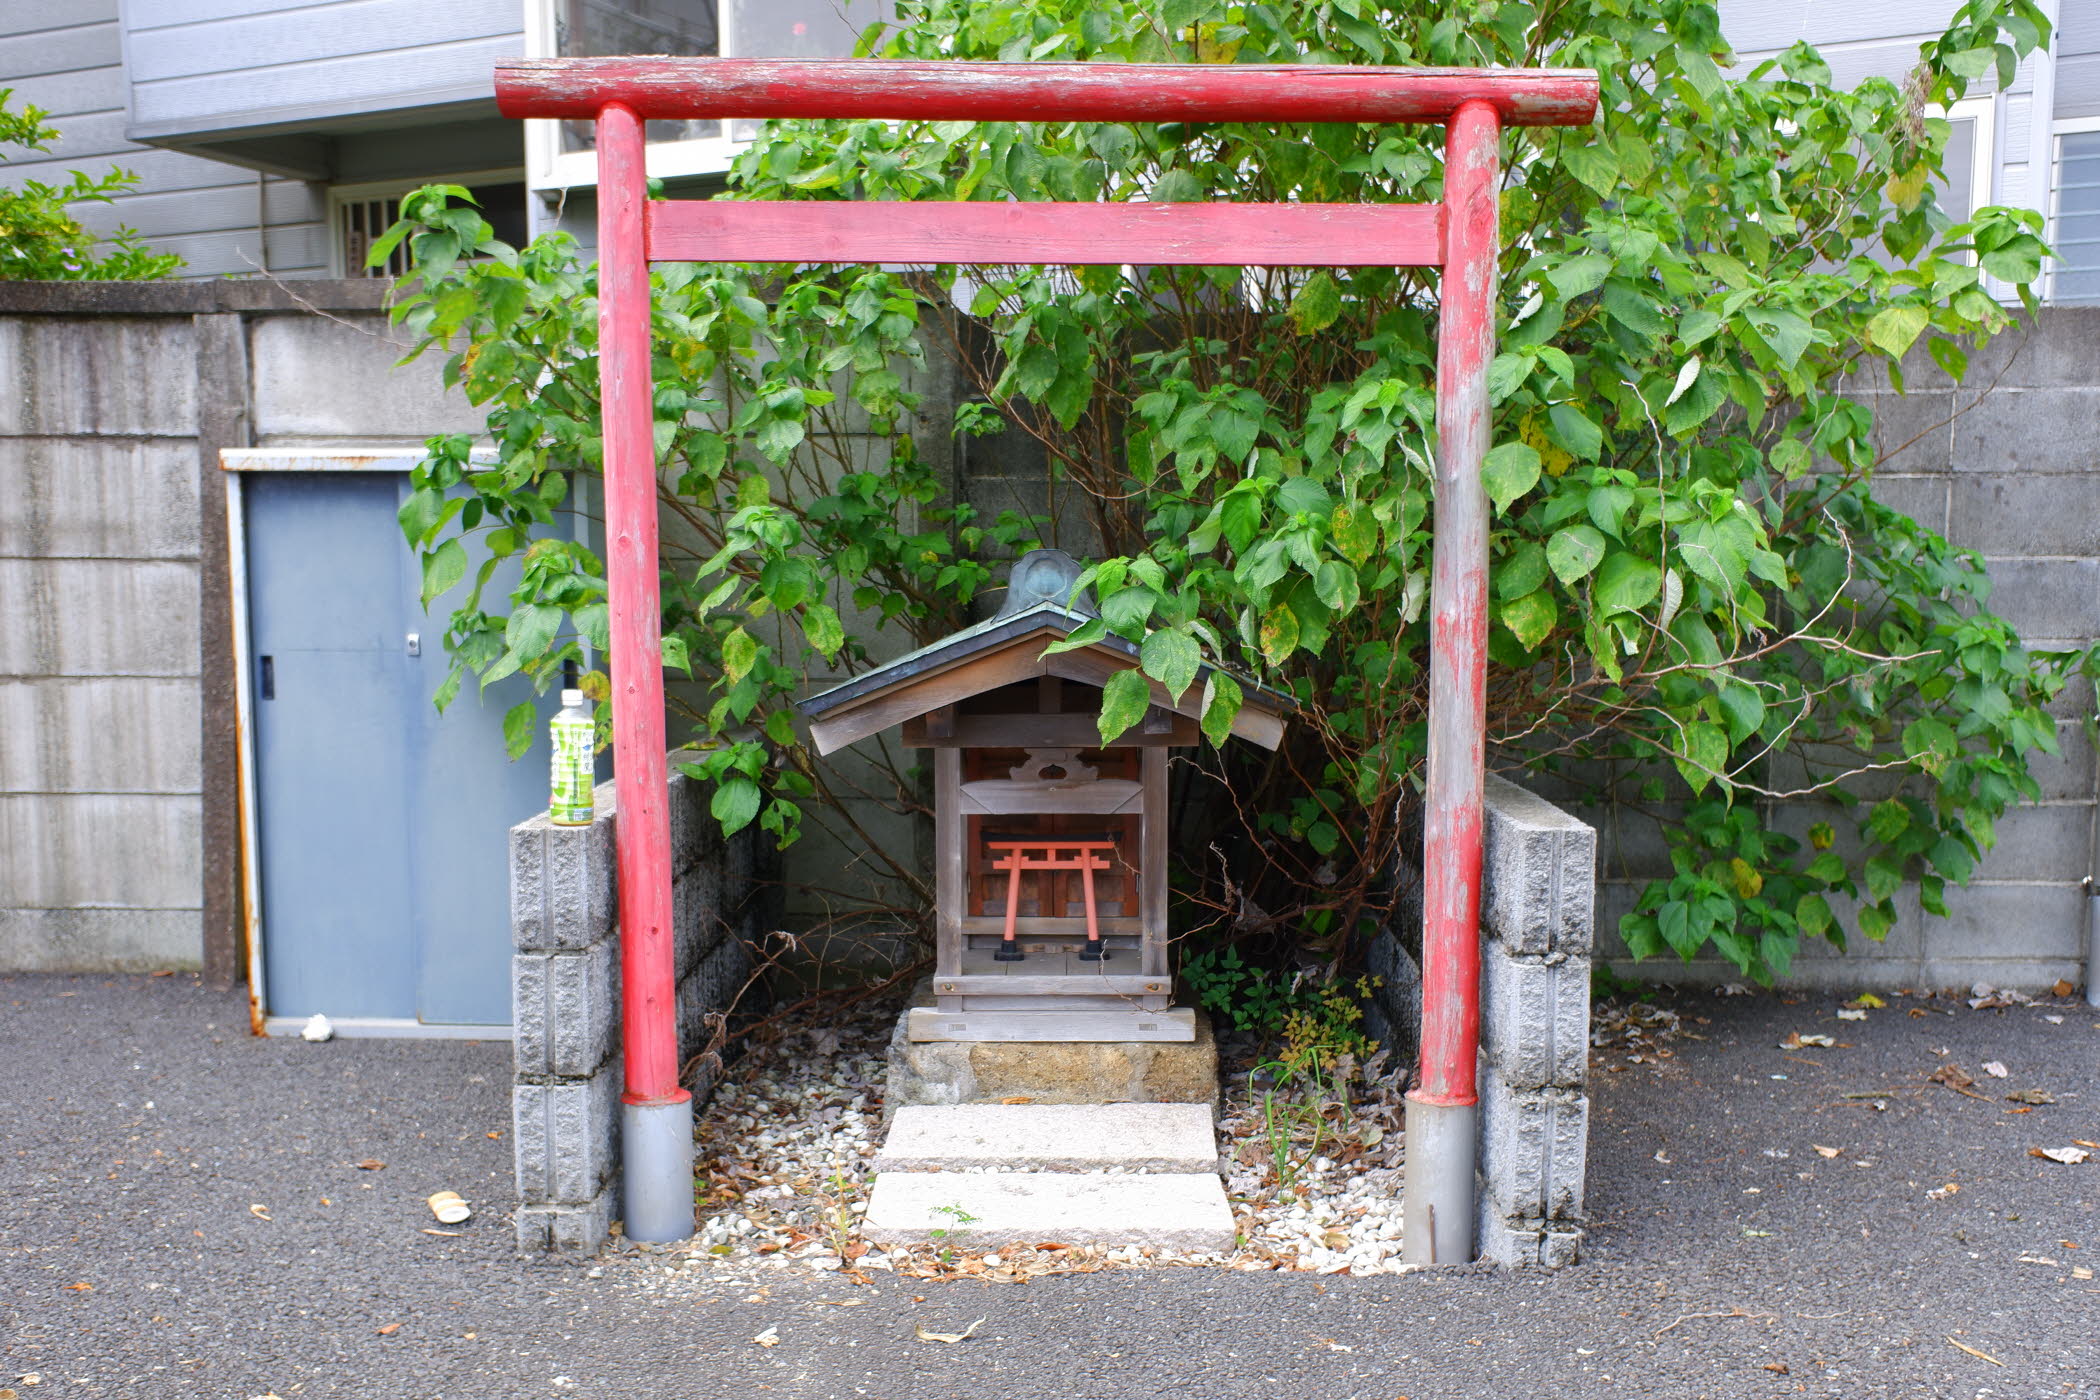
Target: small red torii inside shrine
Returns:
[1458, 235]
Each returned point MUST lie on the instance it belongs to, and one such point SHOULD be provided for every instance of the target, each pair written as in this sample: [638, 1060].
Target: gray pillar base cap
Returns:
[656, 1171]
[1436, 1213]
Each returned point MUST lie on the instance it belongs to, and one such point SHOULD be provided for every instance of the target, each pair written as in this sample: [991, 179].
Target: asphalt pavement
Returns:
[183, 1213]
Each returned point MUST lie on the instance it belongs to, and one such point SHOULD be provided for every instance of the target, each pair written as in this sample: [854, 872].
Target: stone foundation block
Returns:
[1055, 1072]
[579, 1230]
[983, 1210]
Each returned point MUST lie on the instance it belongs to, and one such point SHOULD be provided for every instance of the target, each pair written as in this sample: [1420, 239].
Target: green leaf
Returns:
[1888, 820]
[1577, 431]
[1812, 913]
[529, 629]
[1592, 163]
[1124, 701]
[1336, 585]
[1579, 275]
[1221, 705]
[1686, 373]
[735, 803]
[1573, 552]
[672, 648]
[739, 655]
[1875, 922]
[821, 625]
[1895, 329]
[1317, 305]
[420, 513]
[1626, 583]
[443, 567]
[1176, 186]
[1530, 618]
[1744, 709]
[1929, 743]
[1511, 469]
[1279, 633]
[1172, 658]
[1705, 757]
[518, 726]
[1631, 308]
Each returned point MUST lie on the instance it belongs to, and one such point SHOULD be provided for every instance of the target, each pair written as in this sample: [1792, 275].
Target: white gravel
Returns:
[785, 1151]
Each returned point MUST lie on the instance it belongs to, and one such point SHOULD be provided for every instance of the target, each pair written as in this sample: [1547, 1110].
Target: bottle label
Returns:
[569, 800]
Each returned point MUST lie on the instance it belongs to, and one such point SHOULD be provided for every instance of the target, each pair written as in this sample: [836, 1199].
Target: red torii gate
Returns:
[1458, 235]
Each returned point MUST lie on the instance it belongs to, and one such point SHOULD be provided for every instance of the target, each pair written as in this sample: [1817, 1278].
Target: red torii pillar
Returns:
[1459, 236]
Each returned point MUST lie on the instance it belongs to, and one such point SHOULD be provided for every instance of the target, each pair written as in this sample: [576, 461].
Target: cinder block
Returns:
[101, 499]
[100, 375]
[335, 377]
[100, 940]
[2007, 514]
[1513, 1244]
[566, 1137]
[101, 850]
[581, 883]
[2012, 922]
[98, 617]
[567, 1230]
[2045, 598]
[99, 734]
[528, 887]
[1399, 991]
[2029, 430]
[1167, 1210]
[1533, 1145]
[565, 1009]
[1150, 1137]
[1539, 873]
[1535, 1018]
[696, 914]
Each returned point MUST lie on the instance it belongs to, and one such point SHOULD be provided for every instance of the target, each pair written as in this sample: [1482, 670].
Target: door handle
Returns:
[269, 678]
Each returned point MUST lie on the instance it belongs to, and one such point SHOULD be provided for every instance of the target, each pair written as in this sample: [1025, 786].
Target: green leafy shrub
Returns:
[1698, 604]
[41, 241]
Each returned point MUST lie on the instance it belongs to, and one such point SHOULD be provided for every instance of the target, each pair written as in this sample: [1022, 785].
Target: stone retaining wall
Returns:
[565, 996]
[1538, 895]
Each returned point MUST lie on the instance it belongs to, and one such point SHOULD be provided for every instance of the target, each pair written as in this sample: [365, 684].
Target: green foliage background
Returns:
[1699, 605]
[41, 241]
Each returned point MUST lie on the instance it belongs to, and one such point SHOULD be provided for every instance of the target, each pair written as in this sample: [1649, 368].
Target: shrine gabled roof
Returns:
[1042, 607]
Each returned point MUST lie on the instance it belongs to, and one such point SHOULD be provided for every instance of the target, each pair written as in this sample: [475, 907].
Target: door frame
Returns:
[234, 463]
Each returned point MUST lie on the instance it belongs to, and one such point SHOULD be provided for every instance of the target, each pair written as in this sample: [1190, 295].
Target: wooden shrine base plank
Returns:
[1175, 1024]
[1021, 983]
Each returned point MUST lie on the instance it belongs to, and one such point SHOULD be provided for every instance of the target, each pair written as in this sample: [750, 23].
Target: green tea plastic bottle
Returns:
[575, 731]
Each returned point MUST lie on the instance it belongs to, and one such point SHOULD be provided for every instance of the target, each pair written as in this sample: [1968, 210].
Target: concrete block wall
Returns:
[2007, 464]
[565, 995]
[1537, 928]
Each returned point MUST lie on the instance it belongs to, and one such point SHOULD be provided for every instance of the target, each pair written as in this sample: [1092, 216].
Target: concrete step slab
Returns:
[1183, 1211]
[1150, 1137]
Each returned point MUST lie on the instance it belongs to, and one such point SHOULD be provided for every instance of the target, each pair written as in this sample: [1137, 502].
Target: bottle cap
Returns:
[571, 697]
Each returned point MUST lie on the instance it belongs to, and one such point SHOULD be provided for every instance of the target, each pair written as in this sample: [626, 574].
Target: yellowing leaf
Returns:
[1748, 882]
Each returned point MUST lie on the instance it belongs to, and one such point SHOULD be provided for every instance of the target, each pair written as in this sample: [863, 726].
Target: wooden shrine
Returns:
[1050, 849]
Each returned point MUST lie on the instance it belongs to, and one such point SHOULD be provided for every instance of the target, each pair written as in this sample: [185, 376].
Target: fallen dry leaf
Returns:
[1797, 1041]
[495, 1135]
[371, 1164]
[2063, 987]
[951, 1338]
[82, 1287]
[1866, 1001]
[1777, 1367]
[1952, 1075]
[1017, 1098]
[1995, 1069]
[2030, 1096]
[769, 1338]
[390, 1329]
[1826, 1151]
[259, 1212]
[1975, 1353]
[2083, 1143]
[1852, 1015]
[2069, 1156]
[1941, 1193]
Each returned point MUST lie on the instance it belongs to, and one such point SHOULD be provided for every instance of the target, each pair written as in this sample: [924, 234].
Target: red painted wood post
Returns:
[1441, 1108]
[658, 1113]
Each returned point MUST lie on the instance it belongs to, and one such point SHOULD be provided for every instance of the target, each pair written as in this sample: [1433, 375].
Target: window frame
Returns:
[2052, 222]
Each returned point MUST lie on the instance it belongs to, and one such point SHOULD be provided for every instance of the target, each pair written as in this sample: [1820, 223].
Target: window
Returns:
[359, 214]
[560, 153]
[2074, 224]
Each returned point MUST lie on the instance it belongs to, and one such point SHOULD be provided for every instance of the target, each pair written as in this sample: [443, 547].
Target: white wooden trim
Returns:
[381, 458]
[244, 723]
[387, 1028]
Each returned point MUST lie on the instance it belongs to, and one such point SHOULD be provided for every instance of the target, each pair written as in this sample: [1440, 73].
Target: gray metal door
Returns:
[382, 825]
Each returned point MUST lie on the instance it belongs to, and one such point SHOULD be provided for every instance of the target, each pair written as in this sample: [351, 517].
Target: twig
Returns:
[283, 286]
[1732, 1312]
[1980, 1356]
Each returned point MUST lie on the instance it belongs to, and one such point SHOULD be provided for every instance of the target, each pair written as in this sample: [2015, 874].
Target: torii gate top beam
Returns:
[1458, 235]
[686, 88]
